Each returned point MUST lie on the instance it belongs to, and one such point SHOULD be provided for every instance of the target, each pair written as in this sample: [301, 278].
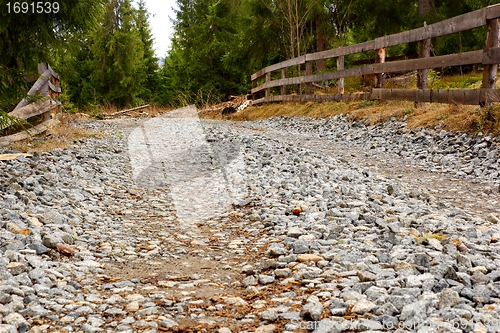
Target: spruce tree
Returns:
[150, 62]
[29, 38]
[110, 61]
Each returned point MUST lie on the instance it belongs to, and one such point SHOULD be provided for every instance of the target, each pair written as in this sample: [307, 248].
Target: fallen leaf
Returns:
[297, 210]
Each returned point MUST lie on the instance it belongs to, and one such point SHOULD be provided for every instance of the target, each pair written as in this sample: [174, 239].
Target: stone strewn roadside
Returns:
[377, 247]
[364, 252]
[475, 158]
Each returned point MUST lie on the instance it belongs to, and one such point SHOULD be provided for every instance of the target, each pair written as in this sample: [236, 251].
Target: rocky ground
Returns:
[319, 225]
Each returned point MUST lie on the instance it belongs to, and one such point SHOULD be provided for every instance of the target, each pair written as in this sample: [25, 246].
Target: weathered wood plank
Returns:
[465, 58]
[35, 89]
[259, 101]
[462, 96]
[380, 77]
[42, 68]
[6, 140]
[129, 110]
[340, 67]
[314, 98]
[309, 71]
[42, 80]
[492, 42]
[54, 74]
[459, 96]
[342, 51]
[424, 51]
[11, 157]
[395, 39]
[388, 67]
[287, 63]
[34, 109]
[491, 56]
[283, 76]
[54, 88]
[268, 79]
[493, 12]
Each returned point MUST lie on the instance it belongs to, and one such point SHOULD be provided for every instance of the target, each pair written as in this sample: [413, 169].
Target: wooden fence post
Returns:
[45, 91]
[380, 58]
[340, 82]
[254, 85]
[424, 51]
[268, 79]
[309, 71]
[41, 68]
[283, 76]
[54, 95]
[490, 71]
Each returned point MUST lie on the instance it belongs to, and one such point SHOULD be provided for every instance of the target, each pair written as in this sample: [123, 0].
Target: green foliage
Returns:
[30, 38]
[208, 53]
[8, 122]
[368, 103]
[149, 69]
[466, 81]
[115, 63]
[103, 49]
[117, 54]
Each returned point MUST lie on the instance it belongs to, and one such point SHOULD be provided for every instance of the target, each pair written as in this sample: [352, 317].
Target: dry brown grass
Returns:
[457, 118]
[60, 136]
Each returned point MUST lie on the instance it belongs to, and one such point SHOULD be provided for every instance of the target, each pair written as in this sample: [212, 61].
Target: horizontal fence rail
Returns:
[489, 58]
[48, 86]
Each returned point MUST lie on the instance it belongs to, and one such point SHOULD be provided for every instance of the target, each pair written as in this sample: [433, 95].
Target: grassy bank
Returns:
[460, 118]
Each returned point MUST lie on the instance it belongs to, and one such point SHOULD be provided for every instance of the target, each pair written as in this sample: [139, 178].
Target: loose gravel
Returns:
[296, 225]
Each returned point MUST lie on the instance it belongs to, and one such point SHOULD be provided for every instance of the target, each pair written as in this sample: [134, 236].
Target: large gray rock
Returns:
[312, 311]
[448, 298]
[299, 247]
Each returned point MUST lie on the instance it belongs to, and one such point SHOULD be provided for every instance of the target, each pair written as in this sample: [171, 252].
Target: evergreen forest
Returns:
[103, 49]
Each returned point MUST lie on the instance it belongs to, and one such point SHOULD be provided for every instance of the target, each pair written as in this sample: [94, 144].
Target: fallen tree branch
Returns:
[128, 110]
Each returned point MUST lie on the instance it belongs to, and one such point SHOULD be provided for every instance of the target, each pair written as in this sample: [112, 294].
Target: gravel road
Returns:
[176, 224]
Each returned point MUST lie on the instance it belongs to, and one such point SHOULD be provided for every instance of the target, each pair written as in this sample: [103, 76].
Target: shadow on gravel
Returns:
[171, 152]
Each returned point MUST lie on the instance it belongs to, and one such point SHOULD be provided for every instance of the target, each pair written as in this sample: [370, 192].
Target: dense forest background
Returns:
[103, 49]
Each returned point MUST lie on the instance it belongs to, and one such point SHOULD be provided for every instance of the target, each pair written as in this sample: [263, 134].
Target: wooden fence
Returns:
[47, 85]
[489, 58]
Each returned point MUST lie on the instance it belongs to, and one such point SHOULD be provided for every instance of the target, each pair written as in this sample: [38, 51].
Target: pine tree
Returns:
[150, 62]
[118, 56]
[29, 38]
[207, 51]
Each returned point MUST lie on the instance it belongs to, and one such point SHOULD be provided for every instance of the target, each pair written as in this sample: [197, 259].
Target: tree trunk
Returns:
[320, 45]
[424, 7]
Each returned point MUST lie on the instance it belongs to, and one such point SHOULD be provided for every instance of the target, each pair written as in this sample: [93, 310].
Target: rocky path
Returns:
[272, 226]
[476, 195]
